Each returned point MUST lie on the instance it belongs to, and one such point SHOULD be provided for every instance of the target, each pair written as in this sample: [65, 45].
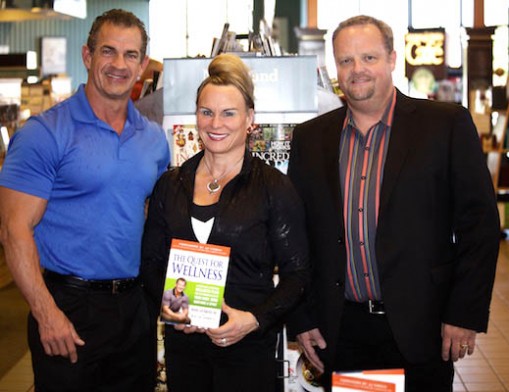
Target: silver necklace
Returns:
[214, 185]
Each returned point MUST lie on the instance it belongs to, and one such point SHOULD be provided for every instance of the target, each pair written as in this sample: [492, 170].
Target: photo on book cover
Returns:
[175, 304]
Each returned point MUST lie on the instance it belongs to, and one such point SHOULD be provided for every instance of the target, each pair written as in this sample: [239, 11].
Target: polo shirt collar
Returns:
[81, 110]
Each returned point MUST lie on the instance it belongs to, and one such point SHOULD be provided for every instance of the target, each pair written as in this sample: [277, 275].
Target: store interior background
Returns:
[186, 28]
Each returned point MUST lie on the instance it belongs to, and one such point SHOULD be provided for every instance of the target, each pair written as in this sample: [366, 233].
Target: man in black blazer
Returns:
[402, 222]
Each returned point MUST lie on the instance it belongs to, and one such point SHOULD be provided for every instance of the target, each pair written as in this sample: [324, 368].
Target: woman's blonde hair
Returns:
[229, 70]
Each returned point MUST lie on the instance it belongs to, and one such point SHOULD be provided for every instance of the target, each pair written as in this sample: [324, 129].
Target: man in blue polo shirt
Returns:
[72, 194]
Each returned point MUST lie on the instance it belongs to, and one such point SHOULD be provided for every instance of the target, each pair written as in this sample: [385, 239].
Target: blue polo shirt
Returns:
[95, 181]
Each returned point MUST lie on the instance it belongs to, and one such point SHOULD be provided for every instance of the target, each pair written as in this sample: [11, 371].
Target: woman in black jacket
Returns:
[224, 196]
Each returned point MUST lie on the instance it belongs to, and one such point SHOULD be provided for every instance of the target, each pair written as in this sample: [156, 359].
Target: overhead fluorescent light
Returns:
[76, 8]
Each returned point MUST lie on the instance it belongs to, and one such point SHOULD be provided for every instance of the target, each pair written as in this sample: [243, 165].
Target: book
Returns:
[194, 286]
[186, 143]
[324, 79]
[219, 44]
[304, 376]
[271, 143]
[387, 380]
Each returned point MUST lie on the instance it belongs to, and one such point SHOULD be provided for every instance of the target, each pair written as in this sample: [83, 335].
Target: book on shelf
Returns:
[271, 143]
[218, 44]
[186, 143]
[324, 79]
[194, 285]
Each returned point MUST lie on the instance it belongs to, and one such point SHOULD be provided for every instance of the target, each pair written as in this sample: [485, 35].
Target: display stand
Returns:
[285, 93]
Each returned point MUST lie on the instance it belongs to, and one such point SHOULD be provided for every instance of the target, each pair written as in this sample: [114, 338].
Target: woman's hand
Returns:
[188, 328]
[239, 324]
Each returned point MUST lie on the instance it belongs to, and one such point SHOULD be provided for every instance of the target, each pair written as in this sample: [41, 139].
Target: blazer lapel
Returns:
[331, 160]
[399, 145]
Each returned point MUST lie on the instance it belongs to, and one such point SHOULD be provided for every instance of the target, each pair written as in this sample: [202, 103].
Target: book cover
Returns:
[194, 285]
[271, 143]
[387, 380]
[305, 376]
[186, 143]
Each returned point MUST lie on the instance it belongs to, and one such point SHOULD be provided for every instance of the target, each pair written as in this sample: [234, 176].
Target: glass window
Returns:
[496, 12]
[331, 12]
[452, 15]
[187, 28]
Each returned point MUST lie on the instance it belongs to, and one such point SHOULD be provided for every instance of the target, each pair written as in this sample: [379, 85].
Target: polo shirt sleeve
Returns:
[31, 162]
[165, 161]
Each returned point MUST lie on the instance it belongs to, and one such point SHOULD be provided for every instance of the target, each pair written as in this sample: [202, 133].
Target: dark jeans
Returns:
[117, 355]
[366, 342]
[194, 364]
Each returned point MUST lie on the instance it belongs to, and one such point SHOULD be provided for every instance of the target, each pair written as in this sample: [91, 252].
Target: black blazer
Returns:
[438, 229]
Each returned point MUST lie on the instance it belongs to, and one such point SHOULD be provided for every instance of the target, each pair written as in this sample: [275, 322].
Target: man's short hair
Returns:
[360, 20]
[117, 17]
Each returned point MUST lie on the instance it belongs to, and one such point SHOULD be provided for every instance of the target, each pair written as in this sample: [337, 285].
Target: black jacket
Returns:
[259, 216]
[438, 230]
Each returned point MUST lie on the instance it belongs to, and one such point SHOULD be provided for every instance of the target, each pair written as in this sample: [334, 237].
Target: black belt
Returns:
[372, 307]
[114, 286]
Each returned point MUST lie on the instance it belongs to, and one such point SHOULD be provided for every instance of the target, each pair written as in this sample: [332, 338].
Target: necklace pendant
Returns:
[213, 186]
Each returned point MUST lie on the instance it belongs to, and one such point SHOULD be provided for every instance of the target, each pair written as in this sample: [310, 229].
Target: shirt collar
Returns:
[386, 119]
[82, 111]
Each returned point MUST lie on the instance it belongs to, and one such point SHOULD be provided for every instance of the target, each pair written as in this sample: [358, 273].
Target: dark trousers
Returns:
[117, 355]
[194, 364]
[366, 342]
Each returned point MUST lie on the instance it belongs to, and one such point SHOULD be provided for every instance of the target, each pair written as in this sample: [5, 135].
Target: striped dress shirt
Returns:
[361, 164]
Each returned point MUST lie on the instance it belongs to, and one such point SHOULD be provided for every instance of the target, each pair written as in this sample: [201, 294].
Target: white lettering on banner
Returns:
[266, 76]
[424, 48]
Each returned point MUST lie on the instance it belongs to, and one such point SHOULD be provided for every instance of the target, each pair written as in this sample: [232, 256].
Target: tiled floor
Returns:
[487, 370]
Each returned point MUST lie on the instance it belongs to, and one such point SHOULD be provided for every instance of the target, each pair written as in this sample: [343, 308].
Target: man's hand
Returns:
[308, 341]
[457, 342]
[58, 336]
[20, 213]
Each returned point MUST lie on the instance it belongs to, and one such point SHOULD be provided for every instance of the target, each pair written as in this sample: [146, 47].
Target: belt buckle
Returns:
[374, 307]
[115, 286]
